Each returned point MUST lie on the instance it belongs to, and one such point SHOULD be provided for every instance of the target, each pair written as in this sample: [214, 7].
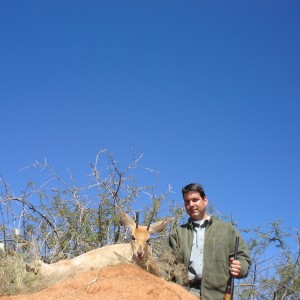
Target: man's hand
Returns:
[235, 267]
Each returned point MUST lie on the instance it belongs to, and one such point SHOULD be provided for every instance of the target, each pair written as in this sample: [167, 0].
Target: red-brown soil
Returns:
[124, 281]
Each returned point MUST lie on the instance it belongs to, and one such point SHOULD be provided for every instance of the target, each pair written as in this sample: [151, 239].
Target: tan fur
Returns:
[97, 258]
[48, 274]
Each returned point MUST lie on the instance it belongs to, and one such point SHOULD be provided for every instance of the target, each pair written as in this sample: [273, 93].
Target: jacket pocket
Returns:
[218, 249]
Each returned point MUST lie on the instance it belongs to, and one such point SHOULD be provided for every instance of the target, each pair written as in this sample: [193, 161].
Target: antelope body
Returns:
[137, 250]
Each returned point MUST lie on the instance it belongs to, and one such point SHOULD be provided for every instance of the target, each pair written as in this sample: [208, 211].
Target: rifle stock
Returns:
[230, 283]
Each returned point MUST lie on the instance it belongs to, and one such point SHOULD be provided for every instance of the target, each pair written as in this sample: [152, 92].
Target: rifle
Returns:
[230, 283]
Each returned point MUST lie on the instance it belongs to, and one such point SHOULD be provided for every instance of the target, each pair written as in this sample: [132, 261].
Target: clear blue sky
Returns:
[207, 90]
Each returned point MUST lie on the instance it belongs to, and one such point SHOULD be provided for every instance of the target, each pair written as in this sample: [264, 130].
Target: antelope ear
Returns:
[125, 218]
[160, 225]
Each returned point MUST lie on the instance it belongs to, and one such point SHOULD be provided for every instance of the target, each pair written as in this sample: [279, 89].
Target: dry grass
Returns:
[168, 268]
[13, 275]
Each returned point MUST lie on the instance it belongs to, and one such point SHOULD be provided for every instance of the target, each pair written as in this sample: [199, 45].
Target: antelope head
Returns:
[140, 235]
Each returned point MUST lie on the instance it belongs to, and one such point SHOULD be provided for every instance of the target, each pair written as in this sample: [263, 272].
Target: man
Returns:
[205, 245]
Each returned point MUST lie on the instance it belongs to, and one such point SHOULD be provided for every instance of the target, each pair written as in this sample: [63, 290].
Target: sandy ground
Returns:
[124, 281]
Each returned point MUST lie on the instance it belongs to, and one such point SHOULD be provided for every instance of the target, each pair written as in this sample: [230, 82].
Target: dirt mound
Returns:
[124, 281]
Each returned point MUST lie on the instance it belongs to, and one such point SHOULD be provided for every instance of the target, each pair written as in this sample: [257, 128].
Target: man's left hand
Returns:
[235, 267]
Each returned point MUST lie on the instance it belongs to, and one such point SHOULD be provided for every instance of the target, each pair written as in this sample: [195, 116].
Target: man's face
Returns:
[195, 205]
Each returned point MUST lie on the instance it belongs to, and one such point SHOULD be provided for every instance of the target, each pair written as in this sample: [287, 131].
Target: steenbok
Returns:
[138, 250]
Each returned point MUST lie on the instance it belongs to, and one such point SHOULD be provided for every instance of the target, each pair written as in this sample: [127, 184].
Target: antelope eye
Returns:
[133, 238]
[148, 241]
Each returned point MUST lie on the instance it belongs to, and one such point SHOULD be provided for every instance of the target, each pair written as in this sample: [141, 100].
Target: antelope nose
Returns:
[139, 253]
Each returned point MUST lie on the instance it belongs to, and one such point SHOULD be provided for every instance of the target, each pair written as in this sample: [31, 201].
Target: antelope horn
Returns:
[137, 220]
[150, 222]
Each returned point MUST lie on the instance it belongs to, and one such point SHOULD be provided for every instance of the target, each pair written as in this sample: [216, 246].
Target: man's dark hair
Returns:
[193, 187]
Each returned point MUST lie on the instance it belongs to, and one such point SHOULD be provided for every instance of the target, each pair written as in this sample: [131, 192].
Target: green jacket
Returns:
[219, 244]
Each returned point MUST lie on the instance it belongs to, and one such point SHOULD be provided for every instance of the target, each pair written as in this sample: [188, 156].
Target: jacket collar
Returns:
[191, 224]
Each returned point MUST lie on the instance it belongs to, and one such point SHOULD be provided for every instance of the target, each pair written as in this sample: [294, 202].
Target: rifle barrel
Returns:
[236, 247]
